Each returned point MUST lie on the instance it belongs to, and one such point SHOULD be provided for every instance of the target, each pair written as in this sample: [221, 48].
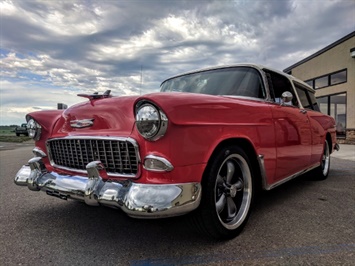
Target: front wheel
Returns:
[227, 191]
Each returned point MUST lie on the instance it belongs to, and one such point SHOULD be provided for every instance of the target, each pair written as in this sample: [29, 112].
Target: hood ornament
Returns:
[82, 123]
[96, 95]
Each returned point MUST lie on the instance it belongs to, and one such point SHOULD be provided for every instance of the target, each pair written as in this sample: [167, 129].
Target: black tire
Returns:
[17, 134]
[322, 171]
[227, 192]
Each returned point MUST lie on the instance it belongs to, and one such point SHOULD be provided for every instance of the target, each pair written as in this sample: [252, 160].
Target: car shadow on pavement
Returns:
[76, 218]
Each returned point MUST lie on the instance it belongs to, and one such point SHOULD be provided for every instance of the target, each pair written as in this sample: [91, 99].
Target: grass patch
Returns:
[7, 132]
[11, 138]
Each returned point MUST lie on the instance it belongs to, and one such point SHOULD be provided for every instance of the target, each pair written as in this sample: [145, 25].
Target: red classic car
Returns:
[203, 145]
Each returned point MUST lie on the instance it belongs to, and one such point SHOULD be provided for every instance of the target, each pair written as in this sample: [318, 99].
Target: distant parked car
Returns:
[21, 130]
[203, 145]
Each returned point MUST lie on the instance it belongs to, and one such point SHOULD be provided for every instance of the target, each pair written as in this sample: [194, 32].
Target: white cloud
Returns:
[57, 49]
[7, 8]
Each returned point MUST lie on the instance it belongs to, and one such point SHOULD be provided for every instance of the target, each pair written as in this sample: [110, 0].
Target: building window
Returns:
[328, 80]
[337, 78]
[321, 82]
[335, 106]
[323, 104]
[310, 83]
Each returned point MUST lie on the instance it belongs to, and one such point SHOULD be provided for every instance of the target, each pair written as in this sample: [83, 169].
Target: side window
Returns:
[314, 102]
[307, 98]
[302, 94]
[279, 84]
[247, 83]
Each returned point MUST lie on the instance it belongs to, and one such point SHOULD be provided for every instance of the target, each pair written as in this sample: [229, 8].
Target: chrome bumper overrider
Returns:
[137, 200]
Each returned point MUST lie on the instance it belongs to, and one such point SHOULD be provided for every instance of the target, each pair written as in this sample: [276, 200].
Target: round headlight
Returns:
[151, 122]
[33, 129]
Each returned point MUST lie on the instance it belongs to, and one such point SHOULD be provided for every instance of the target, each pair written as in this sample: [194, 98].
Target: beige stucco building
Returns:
[331, 71]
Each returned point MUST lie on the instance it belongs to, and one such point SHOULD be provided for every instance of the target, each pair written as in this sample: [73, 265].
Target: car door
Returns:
[309, 103]
[292, 129]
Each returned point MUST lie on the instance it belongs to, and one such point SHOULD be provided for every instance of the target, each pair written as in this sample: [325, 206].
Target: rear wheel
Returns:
[323, 170]
[227, 191]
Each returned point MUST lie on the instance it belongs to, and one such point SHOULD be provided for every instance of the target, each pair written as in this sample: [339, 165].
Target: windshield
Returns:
[238, 81]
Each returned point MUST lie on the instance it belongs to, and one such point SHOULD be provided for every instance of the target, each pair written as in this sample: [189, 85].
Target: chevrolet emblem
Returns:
[82, 123]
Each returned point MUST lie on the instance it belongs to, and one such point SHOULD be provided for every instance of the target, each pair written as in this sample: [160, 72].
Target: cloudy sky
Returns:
[52, 50]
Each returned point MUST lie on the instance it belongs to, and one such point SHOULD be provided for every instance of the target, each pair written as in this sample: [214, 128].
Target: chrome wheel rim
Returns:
[233, 191]
[325, 159]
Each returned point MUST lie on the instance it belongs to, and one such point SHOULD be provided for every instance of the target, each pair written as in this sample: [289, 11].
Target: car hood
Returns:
[107, 116]
[115, 116]
[192, 108]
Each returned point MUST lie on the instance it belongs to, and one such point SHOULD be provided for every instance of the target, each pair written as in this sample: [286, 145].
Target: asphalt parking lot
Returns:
[303, 222]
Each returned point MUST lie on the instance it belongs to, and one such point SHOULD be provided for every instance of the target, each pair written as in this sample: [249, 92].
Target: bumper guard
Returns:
[137, 200]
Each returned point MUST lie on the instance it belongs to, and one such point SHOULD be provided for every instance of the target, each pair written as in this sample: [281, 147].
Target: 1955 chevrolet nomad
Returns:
[204, 144]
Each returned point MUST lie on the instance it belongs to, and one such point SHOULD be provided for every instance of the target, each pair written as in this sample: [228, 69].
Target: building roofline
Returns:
[330, 46]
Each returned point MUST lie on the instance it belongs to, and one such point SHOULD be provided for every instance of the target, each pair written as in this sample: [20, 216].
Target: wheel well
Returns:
[249, 150]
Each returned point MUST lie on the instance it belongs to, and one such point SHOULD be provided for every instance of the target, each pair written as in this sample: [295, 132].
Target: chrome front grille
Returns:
[119, 156]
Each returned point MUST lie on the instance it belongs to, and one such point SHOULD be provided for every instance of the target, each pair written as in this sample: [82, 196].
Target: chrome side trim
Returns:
[137, 200]
[278, 183]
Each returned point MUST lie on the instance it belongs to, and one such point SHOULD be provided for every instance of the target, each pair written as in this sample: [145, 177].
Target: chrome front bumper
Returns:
[137, 200]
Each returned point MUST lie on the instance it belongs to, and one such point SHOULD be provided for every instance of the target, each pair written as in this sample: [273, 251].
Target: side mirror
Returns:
[286, 98]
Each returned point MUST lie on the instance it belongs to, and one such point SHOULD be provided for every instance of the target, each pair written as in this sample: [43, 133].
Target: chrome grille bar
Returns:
[119, 155]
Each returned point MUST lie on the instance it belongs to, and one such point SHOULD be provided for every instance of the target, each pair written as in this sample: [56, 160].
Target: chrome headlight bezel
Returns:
[151, 122]
[34, 129]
